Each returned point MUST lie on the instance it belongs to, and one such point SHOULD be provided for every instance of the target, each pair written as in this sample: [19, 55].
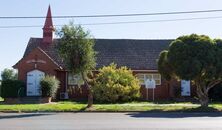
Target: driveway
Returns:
[110, 121]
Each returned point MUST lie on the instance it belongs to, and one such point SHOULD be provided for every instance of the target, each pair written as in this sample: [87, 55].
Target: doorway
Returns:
[33, 82]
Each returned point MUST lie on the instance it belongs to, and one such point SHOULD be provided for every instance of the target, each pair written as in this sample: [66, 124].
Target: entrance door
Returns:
[185, 88]
[33, 82]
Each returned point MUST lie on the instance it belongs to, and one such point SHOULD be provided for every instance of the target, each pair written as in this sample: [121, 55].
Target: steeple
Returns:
[48, 28]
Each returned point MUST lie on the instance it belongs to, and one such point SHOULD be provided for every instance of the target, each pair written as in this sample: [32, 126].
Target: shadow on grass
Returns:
[23, 115]
[191, 112]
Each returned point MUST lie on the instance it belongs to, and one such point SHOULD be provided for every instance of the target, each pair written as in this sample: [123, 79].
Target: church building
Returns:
[41, 58]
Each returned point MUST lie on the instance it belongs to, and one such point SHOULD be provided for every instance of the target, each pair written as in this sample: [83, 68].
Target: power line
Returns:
[153, 21]
[112, 15]
[123, 22]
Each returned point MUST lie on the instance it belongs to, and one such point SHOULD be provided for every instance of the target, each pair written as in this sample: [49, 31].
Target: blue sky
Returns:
[14, 41]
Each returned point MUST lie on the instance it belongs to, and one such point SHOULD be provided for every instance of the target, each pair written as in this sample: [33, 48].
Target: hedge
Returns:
[10, 88]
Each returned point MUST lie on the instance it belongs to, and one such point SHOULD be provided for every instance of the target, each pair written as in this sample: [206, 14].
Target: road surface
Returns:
[111, 121]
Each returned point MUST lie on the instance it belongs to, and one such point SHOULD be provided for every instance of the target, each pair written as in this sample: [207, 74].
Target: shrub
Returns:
[115, 85]
[49, 86]
[11, 88]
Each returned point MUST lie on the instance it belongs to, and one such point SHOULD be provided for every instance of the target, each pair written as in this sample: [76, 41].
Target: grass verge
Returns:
[124, 107]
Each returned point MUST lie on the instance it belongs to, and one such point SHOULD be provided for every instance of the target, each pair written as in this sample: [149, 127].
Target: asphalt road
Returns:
[111, 121]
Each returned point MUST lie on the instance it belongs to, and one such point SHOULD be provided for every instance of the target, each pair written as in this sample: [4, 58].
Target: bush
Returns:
[10, 88]
[115, 85]
[49, 86]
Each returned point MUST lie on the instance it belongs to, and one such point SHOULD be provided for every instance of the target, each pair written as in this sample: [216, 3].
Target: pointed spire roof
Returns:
[48, 21]
[48, 28]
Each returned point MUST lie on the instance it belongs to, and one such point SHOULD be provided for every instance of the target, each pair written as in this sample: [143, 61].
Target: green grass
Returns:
[60, 106]
[135, 106]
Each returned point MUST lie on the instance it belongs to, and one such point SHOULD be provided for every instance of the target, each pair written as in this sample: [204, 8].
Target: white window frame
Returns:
[144, 75]
[74, 79]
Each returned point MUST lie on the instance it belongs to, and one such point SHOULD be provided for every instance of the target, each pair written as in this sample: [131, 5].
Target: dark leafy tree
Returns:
[196, 58]
[76, 48]
[9, 74]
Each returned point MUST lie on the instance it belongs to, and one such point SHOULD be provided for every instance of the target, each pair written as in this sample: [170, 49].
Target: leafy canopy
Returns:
[191, 57]
[9, 74]
[76, 48]
[194, 57]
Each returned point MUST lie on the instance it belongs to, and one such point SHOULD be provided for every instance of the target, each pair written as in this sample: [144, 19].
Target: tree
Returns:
[76, 48]
[9, 74]
[196, 58]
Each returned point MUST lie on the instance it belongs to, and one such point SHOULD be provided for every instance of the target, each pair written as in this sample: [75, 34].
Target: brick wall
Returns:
[44, 64]
[162, 92]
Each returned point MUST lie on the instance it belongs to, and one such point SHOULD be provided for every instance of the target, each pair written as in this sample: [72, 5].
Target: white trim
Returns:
[77, 78]
[152, 75]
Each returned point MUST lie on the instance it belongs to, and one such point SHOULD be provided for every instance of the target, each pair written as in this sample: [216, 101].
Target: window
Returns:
[144, 77]
[75, 79]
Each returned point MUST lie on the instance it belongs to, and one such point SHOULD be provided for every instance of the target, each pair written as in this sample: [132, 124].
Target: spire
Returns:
[48, 28]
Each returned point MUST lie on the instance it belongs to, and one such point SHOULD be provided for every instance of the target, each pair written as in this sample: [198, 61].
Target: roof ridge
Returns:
[131, 39]
[116, 39]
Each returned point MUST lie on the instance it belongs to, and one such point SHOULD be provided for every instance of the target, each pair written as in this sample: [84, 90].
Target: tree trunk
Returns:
[90, 95]
[204, 100]
[203, 89]
[90, 98]
[202, 95]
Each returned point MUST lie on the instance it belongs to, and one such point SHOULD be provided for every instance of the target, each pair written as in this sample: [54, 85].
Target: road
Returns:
[111, 121]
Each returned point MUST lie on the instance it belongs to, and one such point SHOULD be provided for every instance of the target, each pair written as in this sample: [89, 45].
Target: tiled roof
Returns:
[135, 54]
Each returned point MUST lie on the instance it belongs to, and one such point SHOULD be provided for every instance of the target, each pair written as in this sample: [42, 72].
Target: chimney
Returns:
[48, 28]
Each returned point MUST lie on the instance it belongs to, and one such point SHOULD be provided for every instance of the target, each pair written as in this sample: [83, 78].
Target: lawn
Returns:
[133, 106]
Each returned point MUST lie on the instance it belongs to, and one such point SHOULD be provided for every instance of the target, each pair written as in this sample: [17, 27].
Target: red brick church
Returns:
[41, 58]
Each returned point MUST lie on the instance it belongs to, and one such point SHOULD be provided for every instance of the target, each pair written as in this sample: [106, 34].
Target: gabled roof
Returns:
[39, 51]
[135, 54]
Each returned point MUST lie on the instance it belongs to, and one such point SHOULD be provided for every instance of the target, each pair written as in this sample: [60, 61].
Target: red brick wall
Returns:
[164, 91]
[161, 92]
[49, 67]
[61, 76]
[23, 67]
[76, 92]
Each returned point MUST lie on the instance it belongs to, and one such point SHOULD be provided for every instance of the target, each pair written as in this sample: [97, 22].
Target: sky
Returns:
[13, 41]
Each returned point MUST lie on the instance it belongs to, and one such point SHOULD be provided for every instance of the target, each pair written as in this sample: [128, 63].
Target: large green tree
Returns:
[76, 48]
[9, 74]
[196, 58]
